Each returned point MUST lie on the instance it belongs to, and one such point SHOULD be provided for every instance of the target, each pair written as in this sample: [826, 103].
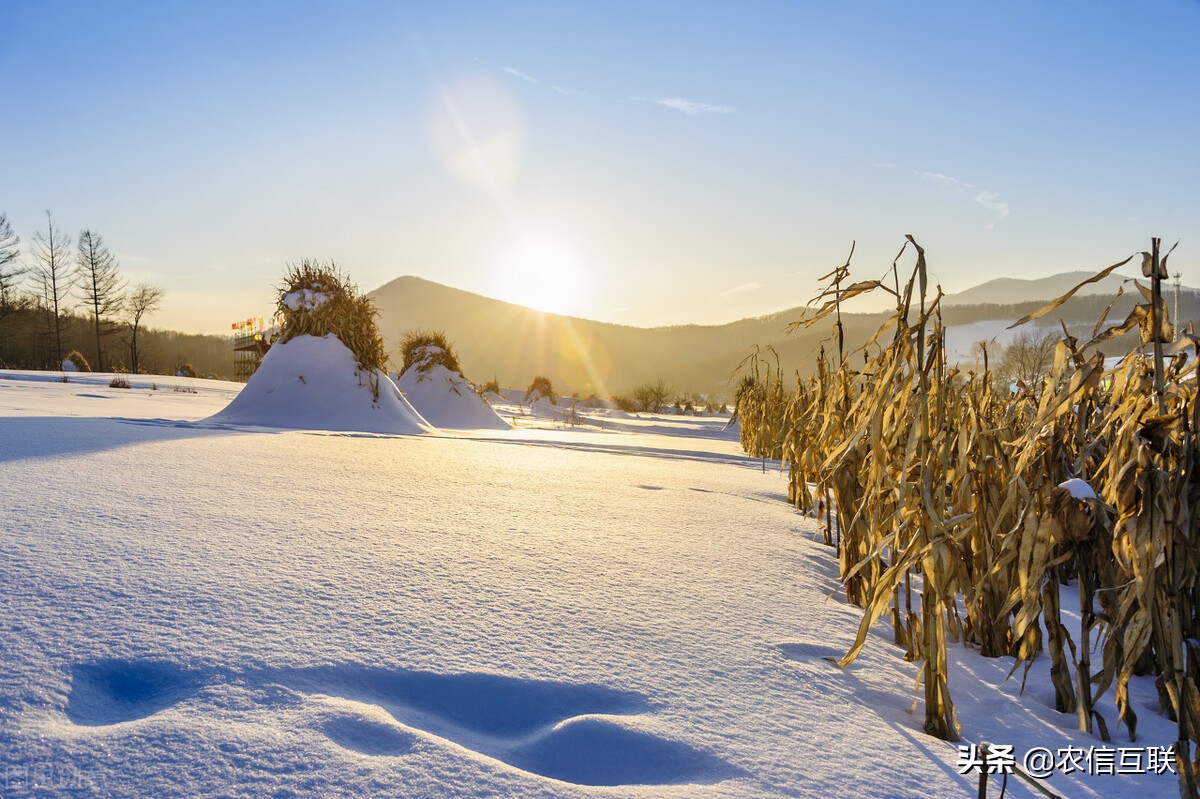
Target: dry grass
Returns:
[950, 518]
[430, 346]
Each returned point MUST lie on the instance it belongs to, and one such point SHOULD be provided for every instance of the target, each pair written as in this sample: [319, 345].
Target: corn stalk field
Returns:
[967, 514]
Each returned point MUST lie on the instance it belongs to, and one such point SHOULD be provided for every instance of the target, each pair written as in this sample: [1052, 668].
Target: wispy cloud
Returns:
[745, 288]
[988, 200]
[525, 76]
[693, 108]
[954, 185]
[991, 201]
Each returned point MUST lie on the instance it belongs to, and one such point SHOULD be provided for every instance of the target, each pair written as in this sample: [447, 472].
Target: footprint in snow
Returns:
[581, 734]
[113, 691]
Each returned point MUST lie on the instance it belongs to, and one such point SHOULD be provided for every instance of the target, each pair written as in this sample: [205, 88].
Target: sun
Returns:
[543, 275]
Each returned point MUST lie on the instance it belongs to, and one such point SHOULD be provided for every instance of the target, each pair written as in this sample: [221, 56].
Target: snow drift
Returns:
[444, 397]
[316, 384]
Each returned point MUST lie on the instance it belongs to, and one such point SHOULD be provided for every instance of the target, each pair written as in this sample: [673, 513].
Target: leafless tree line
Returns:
[53, 282]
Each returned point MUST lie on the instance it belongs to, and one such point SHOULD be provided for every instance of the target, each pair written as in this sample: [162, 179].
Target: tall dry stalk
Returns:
[955, 515]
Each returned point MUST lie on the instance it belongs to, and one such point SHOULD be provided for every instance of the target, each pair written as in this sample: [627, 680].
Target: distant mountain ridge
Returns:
[1010, 290]
[512, 343]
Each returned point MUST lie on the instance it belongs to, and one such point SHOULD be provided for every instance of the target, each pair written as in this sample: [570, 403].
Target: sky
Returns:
[640, 163]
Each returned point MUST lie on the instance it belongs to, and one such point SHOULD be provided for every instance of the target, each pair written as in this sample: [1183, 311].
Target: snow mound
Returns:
[445, 398]
[312, 383]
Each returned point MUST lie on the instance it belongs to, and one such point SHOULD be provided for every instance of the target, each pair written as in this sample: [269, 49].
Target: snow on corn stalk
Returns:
[963, 511]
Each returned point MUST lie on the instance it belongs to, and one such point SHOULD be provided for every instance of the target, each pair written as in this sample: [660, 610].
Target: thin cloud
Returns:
[519, 74]
[988, 200]
[745, 288]
[693, 108]
[954, 185]
[991, 201]
[525, 76]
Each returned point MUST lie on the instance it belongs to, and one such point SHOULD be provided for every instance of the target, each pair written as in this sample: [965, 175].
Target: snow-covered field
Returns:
[623, 608]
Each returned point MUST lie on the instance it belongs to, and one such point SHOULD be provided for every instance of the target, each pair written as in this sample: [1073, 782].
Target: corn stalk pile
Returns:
[965, 513]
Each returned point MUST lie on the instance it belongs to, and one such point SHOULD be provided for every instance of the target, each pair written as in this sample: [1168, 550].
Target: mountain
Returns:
[513, 344]
[1009, 290]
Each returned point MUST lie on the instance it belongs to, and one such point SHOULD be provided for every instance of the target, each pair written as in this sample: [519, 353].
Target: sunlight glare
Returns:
[542, 275]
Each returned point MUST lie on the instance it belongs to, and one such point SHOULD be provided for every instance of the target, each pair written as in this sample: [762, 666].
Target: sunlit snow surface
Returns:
[198, 610]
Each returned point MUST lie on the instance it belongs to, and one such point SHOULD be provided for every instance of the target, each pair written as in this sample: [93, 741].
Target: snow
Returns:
[315, 383]
[445, 398]
[962, 341]
[69, 366]
[198, 609]
[1078, 488]
[305, 298]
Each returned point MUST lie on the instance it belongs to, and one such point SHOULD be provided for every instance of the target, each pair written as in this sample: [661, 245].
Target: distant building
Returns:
[252, 337]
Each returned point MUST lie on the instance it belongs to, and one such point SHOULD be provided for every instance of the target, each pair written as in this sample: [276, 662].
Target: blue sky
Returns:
[661, 162]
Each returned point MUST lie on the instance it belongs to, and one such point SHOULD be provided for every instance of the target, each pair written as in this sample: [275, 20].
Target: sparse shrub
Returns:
[540, 387]
[490, 387]
[316, 299]
[185, 370]
[430, 346]
[78, 361]
[625, 403]
[119, 381]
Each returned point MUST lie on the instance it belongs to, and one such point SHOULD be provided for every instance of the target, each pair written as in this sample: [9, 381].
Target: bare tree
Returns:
[11, 300]
[9, 249]
[100, 286]
[143, 299]
[1029, 356]
[653, 396]
[10, 271]
[52, 270]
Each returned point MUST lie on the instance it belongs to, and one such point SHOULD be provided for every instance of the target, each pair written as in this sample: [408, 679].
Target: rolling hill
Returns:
[513, 344]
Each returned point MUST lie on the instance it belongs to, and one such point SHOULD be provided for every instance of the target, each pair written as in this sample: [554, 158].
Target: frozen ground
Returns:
[623, 609]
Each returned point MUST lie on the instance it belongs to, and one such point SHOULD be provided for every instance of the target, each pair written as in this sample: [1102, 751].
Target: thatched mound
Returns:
[430, 347]
[441, 394]
[318, 300]
[325, 371]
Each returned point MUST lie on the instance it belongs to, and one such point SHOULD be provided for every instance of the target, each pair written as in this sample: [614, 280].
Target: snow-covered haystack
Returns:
[325, 372]
[313, 383]
[433, 382]
[75, 362]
